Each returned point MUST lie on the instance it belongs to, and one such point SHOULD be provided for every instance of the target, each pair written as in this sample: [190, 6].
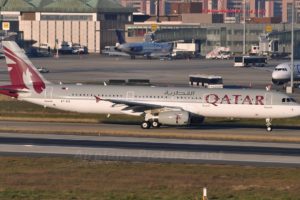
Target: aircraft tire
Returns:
[269, 129]
[155, 124]
[145, 125]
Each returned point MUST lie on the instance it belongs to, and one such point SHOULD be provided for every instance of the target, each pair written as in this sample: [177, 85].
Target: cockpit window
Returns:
[288, 100]
[280, 69]
[293, 100]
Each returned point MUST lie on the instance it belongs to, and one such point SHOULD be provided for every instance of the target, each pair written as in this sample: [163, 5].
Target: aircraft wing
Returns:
[136, 107]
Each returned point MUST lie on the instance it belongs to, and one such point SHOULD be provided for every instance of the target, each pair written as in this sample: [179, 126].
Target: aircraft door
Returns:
[268, 100]
[130, 95]
[48, 93]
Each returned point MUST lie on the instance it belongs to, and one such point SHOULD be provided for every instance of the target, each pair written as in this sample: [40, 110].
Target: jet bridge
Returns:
[186, 34]
[284, 38]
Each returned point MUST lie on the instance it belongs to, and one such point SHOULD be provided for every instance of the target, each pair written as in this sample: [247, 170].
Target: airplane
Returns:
[149, 49]
[158, 105]
[282, 73]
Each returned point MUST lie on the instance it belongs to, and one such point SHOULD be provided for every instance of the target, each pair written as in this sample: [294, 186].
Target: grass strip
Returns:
[86, 178]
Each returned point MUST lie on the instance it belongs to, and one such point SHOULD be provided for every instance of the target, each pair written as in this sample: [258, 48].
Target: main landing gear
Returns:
[148, 124]
[269, 124]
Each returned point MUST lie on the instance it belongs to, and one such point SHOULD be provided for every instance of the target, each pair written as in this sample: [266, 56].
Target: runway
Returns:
[204, 131]
[151, 149]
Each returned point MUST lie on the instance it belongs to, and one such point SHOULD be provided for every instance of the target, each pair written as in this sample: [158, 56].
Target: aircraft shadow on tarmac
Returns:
[238, 126]
[210, 126]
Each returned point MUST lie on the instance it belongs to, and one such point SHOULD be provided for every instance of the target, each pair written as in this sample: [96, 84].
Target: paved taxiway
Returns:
[96, 68]
[151, 149]
[99, 68]
[205, 131]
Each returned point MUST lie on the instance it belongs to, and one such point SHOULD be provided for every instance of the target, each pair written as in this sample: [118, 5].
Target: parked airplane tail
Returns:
[120, 37]
[23, 75]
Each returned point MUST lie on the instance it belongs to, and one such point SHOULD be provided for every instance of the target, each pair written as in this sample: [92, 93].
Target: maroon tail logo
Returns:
[22, 75]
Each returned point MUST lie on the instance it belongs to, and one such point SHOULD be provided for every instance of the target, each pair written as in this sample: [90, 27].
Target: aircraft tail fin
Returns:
[23, 74]
[120, 37]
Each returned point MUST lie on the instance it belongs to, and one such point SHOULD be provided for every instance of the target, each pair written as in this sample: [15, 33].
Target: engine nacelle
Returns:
[174, 118]
[196, 119]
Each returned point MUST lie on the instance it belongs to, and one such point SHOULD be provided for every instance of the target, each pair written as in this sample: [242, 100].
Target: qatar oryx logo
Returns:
[22, 74]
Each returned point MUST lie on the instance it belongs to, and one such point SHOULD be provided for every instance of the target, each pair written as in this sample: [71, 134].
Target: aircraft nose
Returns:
[280, 75]
[275, 78]
[276, 75]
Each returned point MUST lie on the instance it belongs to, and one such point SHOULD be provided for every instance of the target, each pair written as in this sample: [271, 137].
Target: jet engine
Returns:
[174, 118]
[177, 118]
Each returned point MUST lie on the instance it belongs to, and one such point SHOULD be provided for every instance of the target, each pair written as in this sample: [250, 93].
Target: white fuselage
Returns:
[203, 102]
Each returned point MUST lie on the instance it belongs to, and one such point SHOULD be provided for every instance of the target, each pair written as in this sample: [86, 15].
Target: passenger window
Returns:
[283, 100]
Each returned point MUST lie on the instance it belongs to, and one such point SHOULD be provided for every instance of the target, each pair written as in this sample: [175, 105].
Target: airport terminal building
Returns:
[43, 23]
[212, 35]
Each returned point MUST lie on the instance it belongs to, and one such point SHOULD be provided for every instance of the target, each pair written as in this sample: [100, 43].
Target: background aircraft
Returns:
[149, 49]
[282, 73]
[159, 105]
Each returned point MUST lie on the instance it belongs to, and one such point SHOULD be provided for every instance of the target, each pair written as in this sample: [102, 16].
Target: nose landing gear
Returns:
[269, 124]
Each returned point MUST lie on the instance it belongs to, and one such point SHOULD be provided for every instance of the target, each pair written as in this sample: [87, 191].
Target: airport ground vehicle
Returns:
[224, 55]
[219, 53]
[207, 81]
[43, 70]
[247, 61]
[65, 48]
[78, 49]
[177, 106]
[185, 50]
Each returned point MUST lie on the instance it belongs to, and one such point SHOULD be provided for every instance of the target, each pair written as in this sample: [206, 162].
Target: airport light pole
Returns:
[244, 29]
[157, 11]
[289, 89]
[292, 47]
